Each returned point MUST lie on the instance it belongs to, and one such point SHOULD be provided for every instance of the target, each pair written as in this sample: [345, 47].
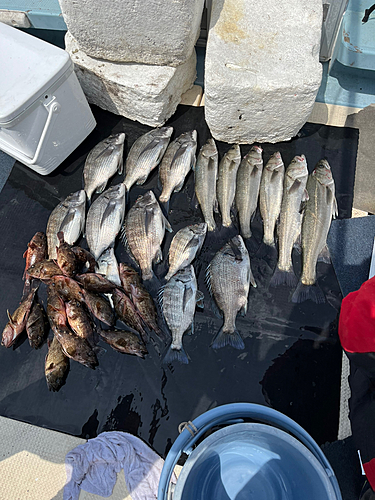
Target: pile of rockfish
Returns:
[87, 289]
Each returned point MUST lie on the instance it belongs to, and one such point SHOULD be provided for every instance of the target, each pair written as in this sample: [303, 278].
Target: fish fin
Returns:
[180, 152]
[216, 206]
[308, 292]
[158, 257]
[68, 218]
[108, 211]
[275, 173]
[294, 187]
[298, 243]
[10, 318]
[194, 202]
[175, 355]
[159, 185]
[101, 187]
[168, 227]
[280, 277]
[142, 180]
[188, 293]
[193, 162]
[178, 188]
[192, 244]
[200, 299]
[160, 295]
[148, 219]
[192, 328]
[324, 255]
[124, 241]
[223, 338]
[215, 309]
[243, 310]
[335, 212]
[164, 205]
[252, 279]
[120, 164]
[207, 279]
[127, 197]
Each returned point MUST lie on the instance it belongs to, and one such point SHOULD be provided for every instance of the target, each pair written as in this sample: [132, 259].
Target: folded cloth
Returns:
[93, 466]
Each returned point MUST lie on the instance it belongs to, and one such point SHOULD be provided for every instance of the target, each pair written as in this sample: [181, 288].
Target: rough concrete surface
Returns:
[148, 94]
[149, 32]
[262, 68]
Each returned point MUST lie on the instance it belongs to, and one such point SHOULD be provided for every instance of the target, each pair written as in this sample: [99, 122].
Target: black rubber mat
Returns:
[292, 357]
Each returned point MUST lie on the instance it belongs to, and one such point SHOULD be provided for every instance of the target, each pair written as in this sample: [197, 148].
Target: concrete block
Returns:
[148, 32]
[148, 94]
[262, 69]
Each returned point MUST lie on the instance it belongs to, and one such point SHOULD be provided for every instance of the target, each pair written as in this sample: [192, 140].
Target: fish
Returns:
[67, 288]
[143, 232]
[108, 266]
[36, 252]
[178, 300]
[17, 321]
[36, 325]
[95, 282]
[73, 346]
[103, 161]
[186, 244]
[79, 321]
[124, 341]
[127, 313]
[104, 219]
[270, 196]
[228, 279]
[145, 154]
[247, 188]
[44, 270]
[69, 217]
[84, 258]
[99, 307]
[142, 300]
[56, 366]
[205, 177]
[66, 258]
[176, 164]
[294, 196]
[226, 183]
[320, 208]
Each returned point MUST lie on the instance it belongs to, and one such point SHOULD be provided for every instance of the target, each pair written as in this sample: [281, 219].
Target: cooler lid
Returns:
[28, 67]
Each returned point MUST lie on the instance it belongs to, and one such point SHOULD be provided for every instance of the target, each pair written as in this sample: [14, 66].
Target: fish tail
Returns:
[281, 277]
[308, 292]
[164, 205]
[223, 338]
[174, 354]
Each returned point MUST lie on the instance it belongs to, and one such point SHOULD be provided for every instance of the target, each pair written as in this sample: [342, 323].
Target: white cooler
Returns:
[44, 114]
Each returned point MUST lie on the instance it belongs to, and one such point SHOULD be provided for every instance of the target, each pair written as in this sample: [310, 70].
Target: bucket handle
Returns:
[53, 108]
[227, 414]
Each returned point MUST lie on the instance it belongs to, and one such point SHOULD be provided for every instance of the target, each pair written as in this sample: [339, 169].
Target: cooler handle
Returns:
[53, 108]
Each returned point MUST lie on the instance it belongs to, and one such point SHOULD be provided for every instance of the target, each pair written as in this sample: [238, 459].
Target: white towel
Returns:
[93, 466]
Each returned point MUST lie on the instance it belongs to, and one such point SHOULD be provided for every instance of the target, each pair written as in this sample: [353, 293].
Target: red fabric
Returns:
[369, 468]
[357, 319]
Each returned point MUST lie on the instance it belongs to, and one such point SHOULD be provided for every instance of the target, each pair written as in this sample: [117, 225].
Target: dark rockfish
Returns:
[96, 283]
[140, 297]
[56, 366]
[36, 325]
[74, 347]
[79, 321]
[17, 321]
[36, 252]
[99, 307]
[228, 279]
[44, 270]
[66, 258]
[67, 288]
[84, 258]
[127, 313]
[319, 210]
[124, 341]
[247, 190]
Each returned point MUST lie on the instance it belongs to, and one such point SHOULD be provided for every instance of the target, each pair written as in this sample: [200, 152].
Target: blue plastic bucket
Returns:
[277, 461]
